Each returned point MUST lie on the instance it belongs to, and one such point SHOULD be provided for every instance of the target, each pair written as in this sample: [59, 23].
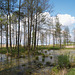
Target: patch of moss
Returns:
[43, 56]
[45, 51]
[43, 59]
[50, 57]
[37, 58]
[40, 65]
[23, 65]
[54, 71]
[48, 63]
[71, 71]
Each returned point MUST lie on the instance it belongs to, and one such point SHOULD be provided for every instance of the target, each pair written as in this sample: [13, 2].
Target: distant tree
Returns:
[58, 29]
[67, 34]
[64, 37]
[42, 38]
[53, 34]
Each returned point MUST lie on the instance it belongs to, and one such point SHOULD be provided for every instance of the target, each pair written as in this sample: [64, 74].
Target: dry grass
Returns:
[61, 72]
[4, 45]
[69, 46]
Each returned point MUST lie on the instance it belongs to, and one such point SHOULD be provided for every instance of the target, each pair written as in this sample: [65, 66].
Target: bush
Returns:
[45, 51]
[43, 59]
[63, 61]
[43, 55]
[37, 53]
[37, 58]
[40, 65]
[3, 50]
[53, 48]
[48, 63]
[71, 71]
[50, 57]
[54, 70]
[41, 47]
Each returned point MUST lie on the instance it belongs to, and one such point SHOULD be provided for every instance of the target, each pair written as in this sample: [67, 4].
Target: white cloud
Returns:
[47, 14]
[66, 19]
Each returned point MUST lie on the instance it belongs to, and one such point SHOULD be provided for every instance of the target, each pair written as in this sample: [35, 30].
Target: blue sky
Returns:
[64, 7]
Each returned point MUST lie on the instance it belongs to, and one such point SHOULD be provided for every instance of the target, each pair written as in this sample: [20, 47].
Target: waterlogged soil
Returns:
[29, 65]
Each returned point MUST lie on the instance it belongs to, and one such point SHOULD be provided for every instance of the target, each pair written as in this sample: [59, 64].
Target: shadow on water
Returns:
[12, 66]
[28, 65]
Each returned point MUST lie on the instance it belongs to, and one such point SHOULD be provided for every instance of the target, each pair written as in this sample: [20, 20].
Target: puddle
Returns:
[22, 66]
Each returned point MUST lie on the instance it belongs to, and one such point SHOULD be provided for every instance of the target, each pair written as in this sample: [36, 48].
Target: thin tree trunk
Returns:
[24, 32]
[35, 27]
[60, 40]
[16, 35]
[33, 38]
[31, 20]
[7, 35]
[1, 36]
[53, 41]
[56, 40]
[30, 31]
[35, 33]
[10, 33]
[1, 41]
[7, 28]
[28, 34]
[19, 26]
[13, 35]
[38, 39]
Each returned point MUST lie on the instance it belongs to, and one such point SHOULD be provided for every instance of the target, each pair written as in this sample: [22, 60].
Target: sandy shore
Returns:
[70, 46]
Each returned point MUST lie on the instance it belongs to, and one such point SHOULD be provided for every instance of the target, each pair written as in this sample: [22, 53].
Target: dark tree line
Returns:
[27, 11]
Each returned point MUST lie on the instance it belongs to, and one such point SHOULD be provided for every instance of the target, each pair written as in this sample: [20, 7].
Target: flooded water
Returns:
[52, 55]
[28, 65]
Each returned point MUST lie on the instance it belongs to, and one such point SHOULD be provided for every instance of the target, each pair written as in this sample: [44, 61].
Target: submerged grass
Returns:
[63, 61]
[48, 47]
[25, 51]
